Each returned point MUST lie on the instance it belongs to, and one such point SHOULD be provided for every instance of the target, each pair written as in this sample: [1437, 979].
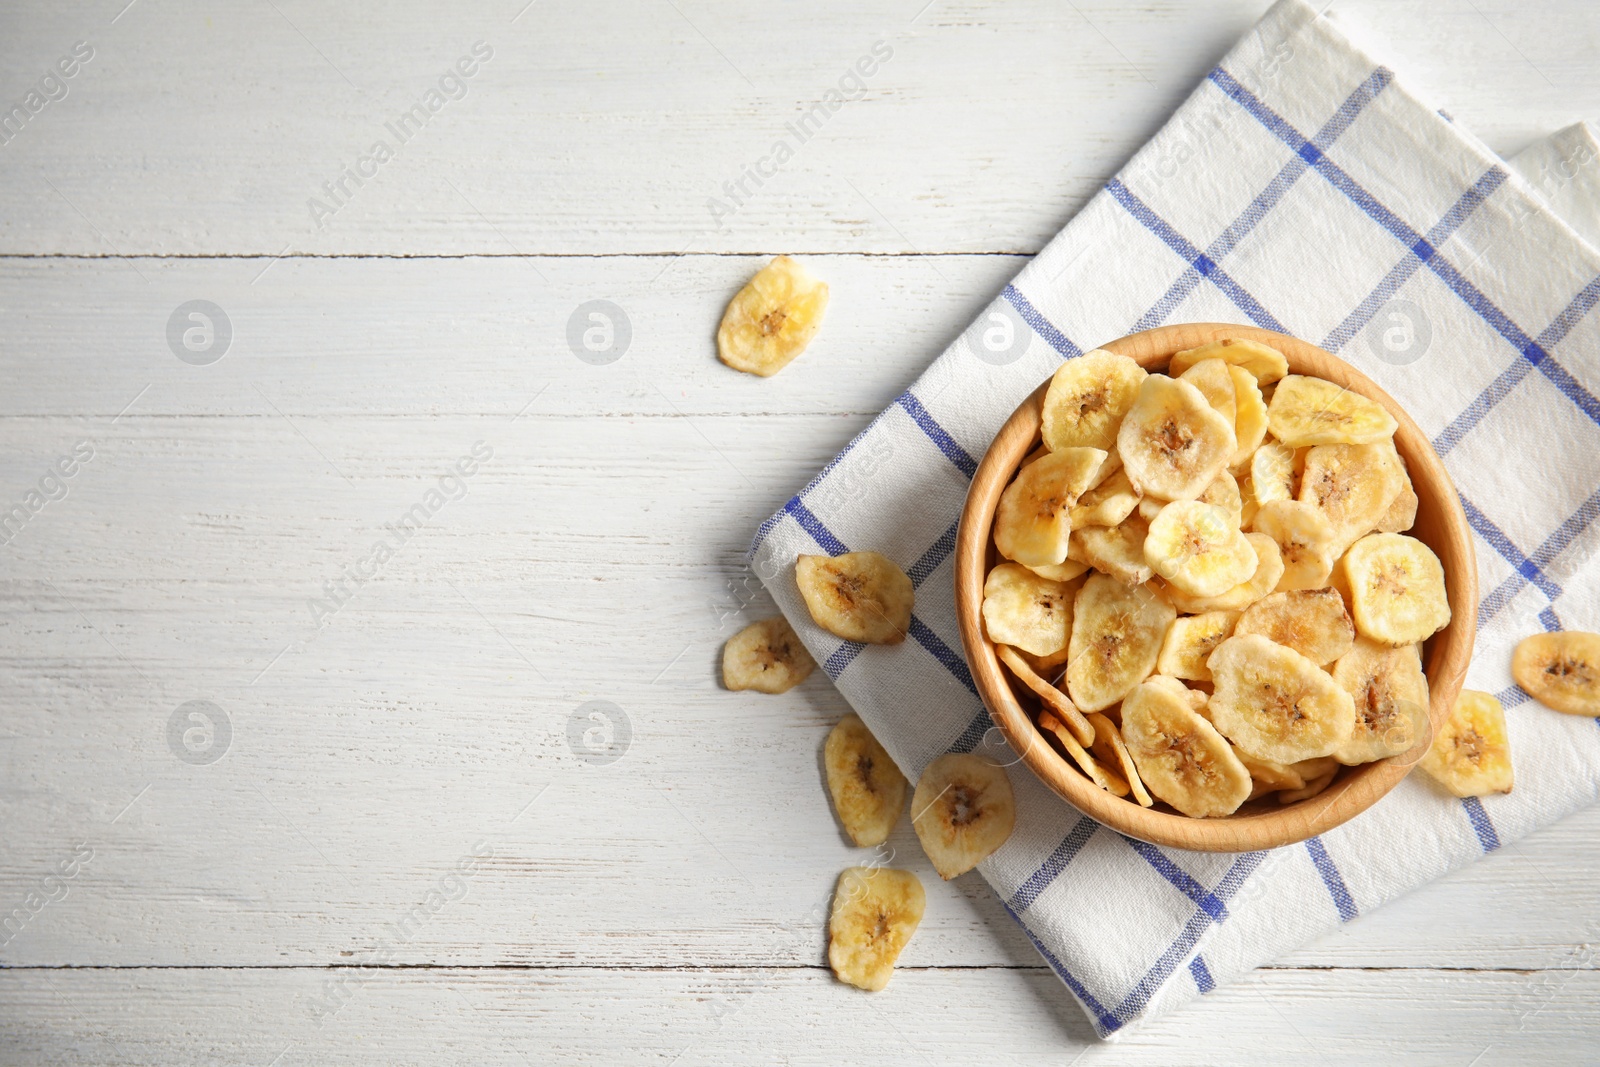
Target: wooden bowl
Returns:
[1263, 823]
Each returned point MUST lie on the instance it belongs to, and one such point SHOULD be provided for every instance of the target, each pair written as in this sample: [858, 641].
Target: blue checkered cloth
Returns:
[1303, 189]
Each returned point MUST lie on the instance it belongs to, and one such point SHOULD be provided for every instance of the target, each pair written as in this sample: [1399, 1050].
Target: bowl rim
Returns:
[1443, 527]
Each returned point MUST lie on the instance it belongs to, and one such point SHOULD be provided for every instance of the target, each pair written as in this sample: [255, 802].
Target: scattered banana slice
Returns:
[1265, 364]
[1306, 542]
[859, 596]
[1353, 485]
[1110, 750]
[1211, 377]
[1471, 756]
[1100, 774]
[963, 810]
[1313, 622]
[1272, 473]
[1190, 640]
[1391, 698]
[1275, 703]
[1560, 670]
[1197, 550]
[1268, 573]
[1311, 411]
[772, 319]
[1060, 572]
[1087, 399]
[1172, 443]
[1053, 698]
[1106, 504]
[1116, 637]
[766, 656]
[1181, 758]
[1020, 608]
[875, 912]
[1250, 416]
[1223, 493]
[1033, 520]
[1114, 550]
[868, 790]
[1396, 588]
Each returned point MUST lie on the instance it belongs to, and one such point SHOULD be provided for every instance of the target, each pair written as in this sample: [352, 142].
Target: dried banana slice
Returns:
[1309, 790]
[1087, 399]
[1020, 608]
[1272, 473]
[1275, 703]
[1248, 504]
[963, 810]
[1172, 443]
[1046, 667]
[1268, 776]
[1106, 504]
[1306, 542]
[1060, 572]
[1313, 622]
[1116, 635]
[1402, 514]
[1181, 758]
[1310, 770]
[1196, 700]
[772, 319]
[1100, 774]
[1312, 411]
[868, 790]
[1396, 588]
[1033, 520]
[1211, 377]
[766, 656]
[1110, 750]
[1053, 698]
[1190, 640]
[1560, 670]
[1250, 416]
[1471, 756]
[1353, 485]
[859, 596]
[1268, 572]
[1265, 364]
[1149, 508]
[1223, 493]
[875, 912]
[1197, 550]
[1391, 698]
[1114, 550]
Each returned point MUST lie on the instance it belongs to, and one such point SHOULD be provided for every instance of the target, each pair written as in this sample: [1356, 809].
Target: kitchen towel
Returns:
[1302, 188]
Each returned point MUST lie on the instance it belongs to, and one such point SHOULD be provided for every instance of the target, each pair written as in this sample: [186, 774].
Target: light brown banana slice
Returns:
[1353, 485]
[1250, 417]
[859, 596]
[1190, 640]
[1100, 774]
[1313, 622]
[1268, 572]
[1313, 411]
[1107, 504]
[1117, 551]
[1116, 635]
[875, 912]
[1033, 520]
[1060, 572]
[1272, 473]
[1197, 550]
[1211, 377]
[766, 656]
[1396, 588]
[771, 320]
[1471, 756]
[1181, 758]
[1274, 703]
[1053, 698]
[1560, 670]
[1391, 698]
[1110, 750]
[1306, 542]
[1087, 399]
[1020, 608]
[963, 810]
[868, 790]
[1265, 364]
[1172, 443]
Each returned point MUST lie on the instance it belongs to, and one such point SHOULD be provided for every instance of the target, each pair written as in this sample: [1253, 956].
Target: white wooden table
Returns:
[280, 882]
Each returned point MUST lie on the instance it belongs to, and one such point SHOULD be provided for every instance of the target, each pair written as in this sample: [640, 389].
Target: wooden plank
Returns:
[610, 127]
